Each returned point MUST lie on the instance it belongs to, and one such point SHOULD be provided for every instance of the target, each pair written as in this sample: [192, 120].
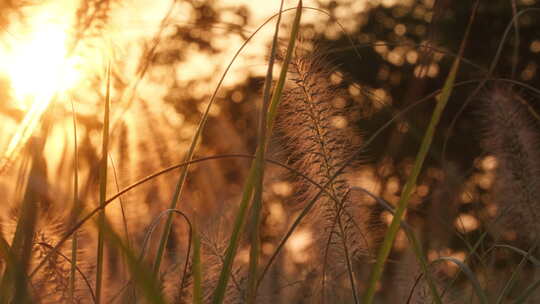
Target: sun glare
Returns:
[37, 66]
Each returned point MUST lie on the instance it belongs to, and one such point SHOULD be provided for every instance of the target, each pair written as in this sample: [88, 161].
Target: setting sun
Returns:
[37, 67]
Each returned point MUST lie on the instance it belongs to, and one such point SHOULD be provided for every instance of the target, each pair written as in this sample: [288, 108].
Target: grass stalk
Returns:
[140, 274]
[149, 178]
[322, 188]
[410, 185]
[260, 164]
[255, 171]
[103, 189]
[407, 192]
[191, 151]
[76, 208]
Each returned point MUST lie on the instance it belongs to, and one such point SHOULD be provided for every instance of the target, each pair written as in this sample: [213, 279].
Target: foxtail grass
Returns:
[256, 169]
[318, 136]
[511, 135]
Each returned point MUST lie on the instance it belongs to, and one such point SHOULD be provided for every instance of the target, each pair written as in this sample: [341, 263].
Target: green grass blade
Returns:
[122, 207]
[103, 189]
[407, 192]
[191, 151]
[259, 163]
[410, 185]
[130, 289]
[416, 245]
[255, 171]
[219, 292]
[141, 275]
[521, 252]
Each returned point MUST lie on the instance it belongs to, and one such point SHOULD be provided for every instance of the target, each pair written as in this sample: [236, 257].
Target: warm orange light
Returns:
[37, 66]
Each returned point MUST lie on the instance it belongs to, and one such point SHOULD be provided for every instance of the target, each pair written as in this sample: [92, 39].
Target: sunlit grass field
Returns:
[279, 152]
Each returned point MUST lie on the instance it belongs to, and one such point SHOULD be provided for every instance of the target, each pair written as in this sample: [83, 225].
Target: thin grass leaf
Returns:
[407, 192]
[409, 186]
[255, 171]
[78, 270]
[103, 188]
[416, 245]
[149, 178]
[521, 252]
[76, 209]
[260, 165]
[528, 292]
[360, 150]
[122, 208]
[191, 151]
[141, 275]
[146, 243]
[470, 274]
[515, 272]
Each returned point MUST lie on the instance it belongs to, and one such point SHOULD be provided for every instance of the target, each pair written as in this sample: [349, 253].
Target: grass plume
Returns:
[317, 133]
[511, 136]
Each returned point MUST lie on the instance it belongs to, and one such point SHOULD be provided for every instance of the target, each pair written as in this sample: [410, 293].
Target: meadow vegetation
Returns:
[389, 160]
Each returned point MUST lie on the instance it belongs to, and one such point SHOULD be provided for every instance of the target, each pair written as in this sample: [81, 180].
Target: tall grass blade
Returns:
[76, 208]
[255, 171]
[407, 192]
[15, 281]
[122, 207]
[103, 189]
[416, 246]
[260, 165]
[141, 275]
[191, 151]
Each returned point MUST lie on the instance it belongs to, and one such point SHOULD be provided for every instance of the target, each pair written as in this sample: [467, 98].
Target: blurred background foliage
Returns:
[166, 60]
